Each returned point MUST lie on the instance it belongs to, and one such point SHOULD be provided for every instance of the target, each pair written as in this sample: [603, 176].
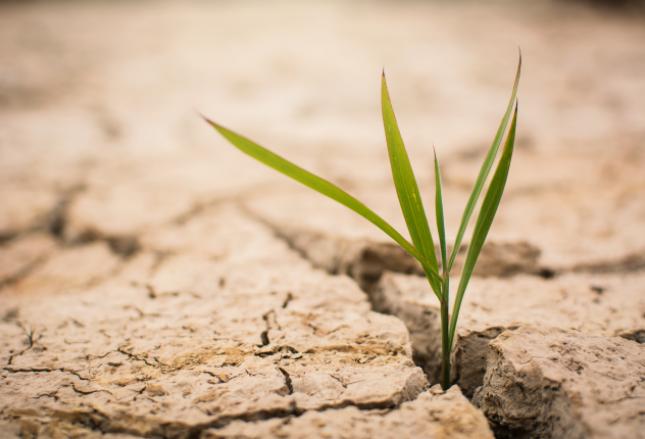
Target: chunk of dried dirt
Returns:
[550, 383]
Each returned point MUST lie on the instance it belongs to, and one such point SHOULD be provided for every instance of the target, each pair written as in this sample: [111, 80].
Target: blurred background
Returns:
[101, 100]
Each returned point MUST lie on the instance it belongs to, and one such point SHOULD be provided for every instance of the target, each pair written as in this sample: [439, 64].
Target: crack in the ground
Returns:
[338, 380]
[7, 236]
[45, 370]
[292, 411]
[57, 218]
[287, 380]
[201, 206]
[26, 271]
[365, 261]
[31, 339]
[287, 300]
[87, 392]
[135, 357]
[365, 279]
[54, 394]
[98, 421]
[123, 246]
[264, 335]
[264, 338]
[626, 264]
[57, 224]
[153, 293]
[279, 349]
[51, 222]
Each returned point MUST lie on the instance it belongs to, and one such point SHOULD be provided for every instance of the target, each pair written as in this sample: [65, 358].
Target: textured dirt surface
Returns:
[554, 383]
[594, 304]
[223, 330]
[156, 283]
[434, 414]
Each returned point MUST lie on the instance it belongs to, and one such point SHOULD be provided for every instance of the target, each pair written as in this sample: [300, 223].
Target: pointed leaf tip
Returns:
[314, 182]
[441, 226]
[484, 220]
[486, 166]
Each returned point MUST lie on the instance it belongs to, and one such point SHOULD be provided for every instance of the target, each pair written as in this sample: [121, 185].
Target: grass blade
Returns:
[408, 191]
[485, 169]
[316, 183]
[441, 225]
[484, 221]
[445, 292]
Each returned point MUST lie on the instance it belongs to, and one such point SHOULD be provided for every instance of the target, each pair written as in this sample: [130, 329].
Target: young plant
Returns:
[422, 247]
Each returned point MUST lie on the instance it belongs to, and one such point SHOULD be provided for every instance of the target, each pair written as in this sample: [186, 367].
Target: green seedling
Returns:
[422, 247]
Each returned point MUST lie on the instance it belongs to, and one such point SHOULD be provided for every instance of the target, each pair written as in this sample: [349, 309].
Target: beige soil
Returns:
[154, 282]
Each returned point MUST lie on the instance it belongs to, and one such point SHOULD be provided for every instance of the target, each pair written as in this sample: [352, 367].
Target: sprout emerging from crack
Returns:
[422, 247]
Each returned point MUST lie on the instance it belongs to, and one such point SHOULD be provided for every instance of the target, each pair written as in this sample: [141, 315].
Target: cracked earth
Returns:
[156, 283]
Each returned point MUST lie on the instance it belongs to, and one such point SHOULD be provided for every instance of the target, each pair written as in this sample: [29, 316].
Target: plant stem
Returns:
[445, 336]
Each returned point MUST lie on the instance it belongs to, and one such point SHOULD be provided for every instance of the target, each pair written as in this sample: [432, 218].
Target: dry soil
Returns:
[154, 282]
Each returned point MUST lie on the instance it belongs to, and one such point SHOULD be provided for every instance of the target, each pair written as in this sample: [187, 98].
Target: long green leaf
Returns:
[407, 189]
[316, 183]
[484, 221]
[441, 224]
[485, 168]
[445, 292]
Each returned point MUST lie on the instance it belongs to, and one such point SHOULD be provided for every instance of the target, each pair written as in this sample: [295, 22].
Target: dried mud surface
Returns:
[156, 283]
[555, 383]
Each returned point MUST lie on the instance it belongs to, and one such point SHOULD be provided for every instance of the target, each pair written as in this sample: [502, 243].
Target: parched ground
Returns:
[154, 282]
